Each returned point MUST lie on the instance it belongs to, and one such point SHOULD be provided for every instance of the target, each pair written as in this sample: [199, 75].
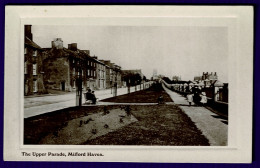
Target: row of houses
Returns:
[59, 68]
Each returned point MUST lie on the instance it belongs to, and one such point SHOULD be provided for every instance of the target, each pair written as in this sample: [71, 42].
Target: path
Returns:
[210, 124]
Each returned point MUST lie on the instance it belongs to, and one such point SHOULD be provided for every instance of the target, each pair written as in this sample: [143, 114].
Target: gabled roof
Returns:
[30, 43]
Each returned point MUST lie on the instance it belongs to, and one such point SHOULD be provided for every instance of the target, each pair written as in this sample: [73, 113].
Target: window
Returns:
[25, 68]
[73, 71]
[88, 72]
[34, 53]
[88, 62]
[73, 61]
[25, 50]
[82, 73]
[34, 69]
[35, 86]
[94, 73]
[91, 63]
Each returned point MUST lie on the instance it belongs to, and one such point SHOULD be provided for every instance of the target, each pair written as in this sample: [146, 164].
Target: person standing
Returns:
[203, 98]
[190, 98]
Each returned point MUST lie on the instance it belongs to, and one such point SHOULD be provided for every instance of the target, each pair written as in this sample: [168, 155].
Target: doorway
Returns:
[63, 86]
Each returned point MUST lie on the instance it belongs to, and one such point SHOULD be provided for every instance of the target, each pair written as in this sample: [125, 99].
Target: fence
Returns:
[217, 96]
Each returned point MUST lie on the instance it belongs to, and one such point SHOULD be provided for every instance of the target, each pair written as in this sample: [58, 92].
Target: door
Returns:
[63, 86]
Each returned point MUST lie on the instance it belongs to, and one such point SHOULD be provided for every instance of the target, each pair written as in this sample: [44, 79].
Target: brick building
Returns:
[33, 67]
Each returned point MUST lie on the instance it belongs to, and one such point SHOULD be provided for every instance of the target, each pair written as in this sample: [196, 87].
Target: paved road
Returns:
[43, 104]
[210, 124]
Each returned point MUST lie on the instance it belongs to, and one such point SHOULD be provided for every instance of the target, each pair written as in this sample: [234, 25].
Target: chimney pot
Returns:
[57, 43]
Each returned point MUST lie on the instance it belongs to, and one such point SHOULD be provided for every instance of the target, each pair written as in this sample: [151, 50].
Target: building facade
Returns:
[33, 66]
[64, 67]
[207, 78]
[100, 74]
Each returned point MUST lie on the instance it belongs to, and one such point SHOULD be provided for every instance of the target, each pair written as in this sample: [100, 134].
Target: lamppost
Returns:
[115, 84]
[79, 87]
[128, 85]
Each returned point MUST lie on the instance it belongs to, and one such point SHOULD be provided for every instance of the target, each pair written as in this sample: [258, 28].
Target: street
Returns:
[43, 104]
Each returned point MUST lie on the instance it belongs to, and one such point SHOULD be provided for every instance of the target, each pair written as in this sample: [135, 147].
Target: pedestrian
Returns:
[196, 95]
[94, 99]
[160, 99]
[203, 98]
[89, 94]
[190, 98]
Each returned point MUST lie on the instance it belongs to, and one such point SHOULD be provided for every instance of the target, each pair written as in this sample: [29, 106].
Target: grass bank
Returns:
[157, 125]
[144, 96]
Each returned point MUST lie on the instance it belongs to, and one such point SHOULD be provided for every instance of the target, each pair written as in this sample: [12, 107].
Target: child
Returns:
[203, 98]
[190, 98]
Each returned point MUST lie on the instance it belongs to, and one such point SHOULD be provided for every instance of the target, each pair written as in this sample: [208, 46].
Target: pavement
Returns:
[212, 126]
[44, 104]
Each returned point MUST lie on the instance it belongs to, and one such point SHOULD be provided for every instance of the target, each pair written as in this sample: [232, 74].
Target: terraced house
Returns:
[33, 67]
[65, 67]
[113, 74]
[100, 74]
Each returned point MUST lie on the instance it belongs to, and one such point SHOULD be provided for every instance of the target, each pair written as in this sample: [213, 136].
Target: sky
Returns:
[183, 51]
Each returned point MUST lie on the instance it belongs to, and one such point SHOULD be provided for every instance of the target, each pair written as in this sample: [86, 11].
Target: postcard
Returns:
[129, 84]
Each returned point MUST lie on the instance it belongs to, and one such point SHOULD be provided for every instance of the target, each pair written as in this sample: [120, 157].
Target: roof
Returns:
[30, 43]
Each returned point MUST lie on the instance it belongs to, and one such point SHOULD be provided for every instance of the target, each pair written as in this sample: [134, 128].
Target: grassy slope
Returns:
[157, 125]
[144, 96]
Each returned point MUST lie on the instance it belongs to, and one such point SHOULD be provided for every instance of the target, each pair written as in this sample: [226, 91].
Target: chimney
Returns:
[28, 31]
[74, 46]
[215, 73]
[69, 46]
[57, 43]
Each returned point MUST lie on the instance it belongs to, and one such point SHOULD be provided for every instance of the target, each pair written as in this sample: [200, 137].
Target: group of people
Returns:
[90, 95]
[197, 96]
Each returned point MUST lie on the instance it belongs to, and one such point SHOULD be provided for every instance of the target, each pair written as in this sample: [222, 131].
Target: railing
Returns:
[214, 92]
[217, 96]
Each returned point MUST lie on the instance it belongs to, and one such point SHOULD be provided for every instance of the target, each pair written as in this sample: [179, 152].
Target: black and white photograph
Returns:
[132, 83]
[138, 85]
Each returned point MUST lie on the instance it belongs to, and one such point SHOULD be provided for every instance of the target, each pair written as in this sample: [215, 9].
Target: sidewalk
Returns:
[44, 104]
[210, 124]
